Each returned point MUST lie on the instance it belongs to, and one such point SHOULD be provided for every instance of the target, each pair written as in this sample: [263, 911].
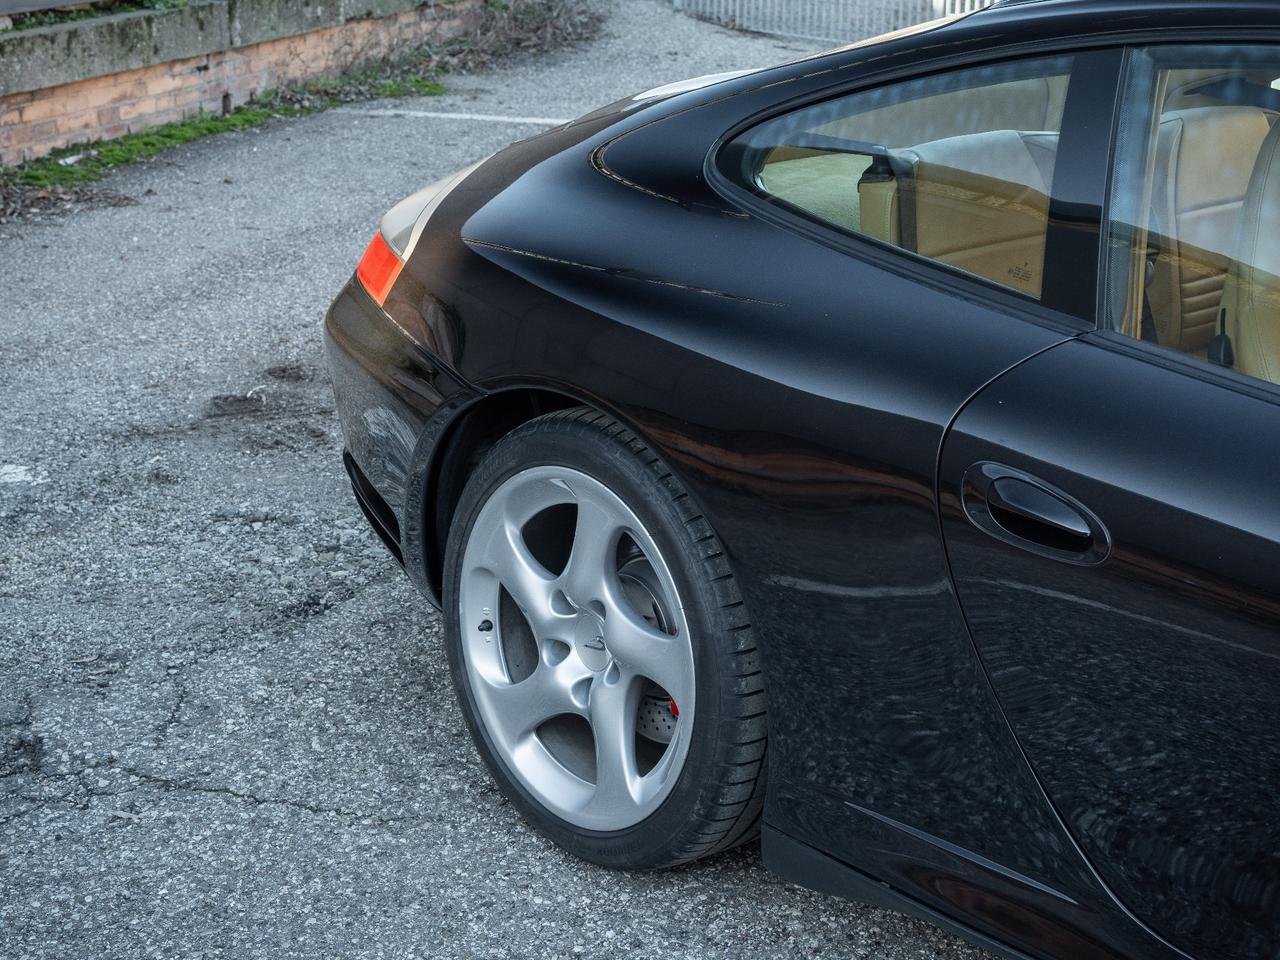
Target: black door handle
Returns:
[1029, 513]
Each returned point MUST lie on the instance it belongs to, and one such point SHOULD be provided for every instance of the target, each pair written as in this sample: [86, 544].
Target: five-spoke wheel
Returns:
[571, 622]
[600, 647]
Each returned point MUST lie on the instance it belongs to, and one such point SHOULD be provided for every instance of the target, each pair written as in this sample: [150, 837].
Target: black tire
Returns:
[716, 801]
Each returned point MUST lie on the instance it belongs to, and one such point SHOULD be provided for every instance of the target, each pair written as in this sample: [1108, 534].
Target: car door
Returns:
[1110, 516]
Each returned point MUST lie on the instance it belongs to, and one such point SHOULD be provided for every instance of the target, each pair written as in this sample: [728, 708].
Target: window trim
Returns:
[1184, 363]
[1083, 317]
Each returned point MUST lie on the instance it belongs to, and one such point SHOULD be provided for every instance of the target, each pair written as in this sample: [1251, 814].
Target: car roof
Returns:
[1046, 21]
[1121, 7]
[1137, 10]
[1024, 25]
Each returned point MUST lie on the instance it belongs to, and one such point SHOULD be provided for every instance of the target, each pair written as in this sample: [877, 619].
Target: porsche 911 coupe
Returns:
[878, 454]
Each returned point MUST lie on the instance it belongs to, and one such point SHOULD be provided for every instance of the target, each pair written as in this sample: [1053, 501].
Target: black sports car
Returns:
[877, 452]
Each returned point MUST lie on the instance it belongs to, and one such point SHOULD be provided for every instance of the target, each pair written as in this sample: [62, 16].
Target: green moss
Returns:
[408, 87]
[507, 27]
[96, 159]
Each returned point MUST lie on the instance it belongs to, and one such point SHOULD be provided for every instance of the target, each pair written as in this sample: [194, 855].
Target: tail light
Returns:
[379, 268]
[398, 234]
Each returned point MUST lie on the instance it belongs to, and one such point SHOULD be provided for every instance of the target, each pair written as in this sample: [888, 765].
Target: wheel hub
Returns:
[589, 642]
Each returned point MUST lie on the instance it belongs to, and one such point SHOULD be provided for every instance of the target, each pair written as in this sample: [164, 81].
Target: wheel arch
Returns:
[448, 450]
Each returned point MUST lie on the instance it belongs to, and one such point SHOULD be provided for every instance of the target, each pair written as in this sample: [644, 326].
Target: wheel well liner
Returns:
[447, 453]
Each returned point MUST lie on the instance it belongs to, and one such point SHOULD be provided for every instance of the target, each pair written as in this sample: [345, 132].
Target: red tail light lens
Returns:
[379, 268]
[398, 234]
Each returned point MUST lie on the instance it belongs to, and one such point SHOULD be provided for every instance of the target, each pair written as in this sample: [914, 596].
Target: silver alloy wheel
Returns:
[559, 663]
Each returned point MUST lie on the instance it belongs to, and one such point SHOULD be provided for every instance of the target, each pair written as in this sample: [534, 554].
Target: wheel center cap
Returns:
[588, 640]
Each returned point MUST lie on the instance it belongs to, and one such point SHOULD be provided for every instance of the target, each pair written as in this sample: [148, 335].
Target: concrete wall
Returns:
[103, 77]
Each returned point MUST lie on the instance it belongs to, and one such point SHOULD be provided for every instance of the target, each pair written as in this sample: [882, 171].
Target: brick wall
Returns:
[35, 122]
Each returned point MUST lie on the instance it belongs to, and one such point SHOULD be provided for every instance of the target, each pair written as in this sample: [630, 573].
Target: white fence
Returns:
[827, 21]
[948, 8]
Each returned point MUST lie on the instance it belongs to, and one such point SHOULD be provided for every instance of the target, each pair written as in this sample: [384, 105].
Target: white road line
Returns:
[438, 115]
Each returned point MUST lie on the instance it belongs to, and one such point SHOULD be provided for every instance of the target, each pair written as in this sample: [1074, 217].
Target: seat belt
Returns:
[1149, 332]
[1221, 351]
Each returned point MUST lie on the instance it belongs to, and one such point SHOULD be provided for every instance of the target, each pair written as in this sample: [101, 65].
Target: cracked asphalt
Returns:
[226, 722]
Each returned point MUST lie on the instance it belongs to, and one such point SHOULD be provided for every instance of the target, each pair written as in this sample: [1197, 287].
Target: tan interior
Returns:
[951, 171]
[1213, 185]
[1252, 296]
[1199, 191]
[979, 202]
[818, 182]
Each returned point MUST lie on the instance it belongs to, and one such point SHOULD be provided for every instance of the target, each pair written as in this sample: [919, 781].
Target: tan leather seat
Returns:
[978, 202]
[821, 183]
[1204, 157]
[1252, 296]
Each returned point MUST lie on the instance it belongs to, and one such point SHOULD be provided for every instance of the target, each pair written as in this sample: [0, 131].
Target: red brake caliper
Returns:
[675, 711]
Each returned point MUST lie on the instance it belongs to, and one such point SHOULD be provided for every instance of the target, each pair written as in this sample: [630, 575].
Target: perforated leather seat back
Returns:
[1204, 158]
[1252, 295]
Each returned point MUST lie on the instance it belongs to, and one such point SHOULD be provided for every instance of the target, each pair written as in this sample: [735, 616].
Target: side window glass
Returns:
[956, 168]
[1193, 238]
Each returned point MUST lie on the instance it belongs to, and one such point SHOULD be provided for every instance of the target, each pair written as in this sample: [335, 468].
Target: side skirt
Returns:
[801, 864]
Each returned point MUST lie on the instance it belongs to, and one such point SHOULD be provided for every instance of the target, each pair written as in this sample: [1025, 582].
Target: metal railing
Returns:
[826, 21]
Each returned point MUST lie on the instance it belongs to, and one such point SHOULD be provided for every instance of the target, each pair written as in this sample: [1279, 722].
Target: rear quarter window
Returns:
[956, 168]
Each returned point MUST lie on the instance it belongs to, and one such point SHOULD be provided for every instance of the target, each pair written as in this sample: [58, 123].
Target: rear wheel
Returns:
[600, 648]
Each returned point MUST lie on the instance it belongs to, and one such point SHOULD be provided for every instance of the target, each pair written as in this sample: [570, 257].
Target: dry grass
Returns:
[521, 26]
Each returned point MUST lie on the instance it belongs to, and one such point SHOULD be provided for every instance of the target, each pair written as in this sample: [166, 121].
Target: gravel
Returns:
[226, 723]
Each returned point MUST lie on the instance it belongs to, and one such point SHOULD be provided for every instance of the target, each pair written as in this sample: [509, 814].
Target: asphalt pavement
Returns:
[226, 722]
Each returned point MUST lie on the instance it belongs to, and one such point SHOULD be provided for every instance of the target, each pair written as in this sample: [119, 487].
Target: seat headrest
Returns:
[1207, 134]
[1014, 156]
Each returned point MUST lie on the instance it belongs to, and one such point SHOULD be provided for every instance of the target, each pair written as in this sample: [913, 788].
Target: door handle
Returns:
[1029, 513]
[1024, 506]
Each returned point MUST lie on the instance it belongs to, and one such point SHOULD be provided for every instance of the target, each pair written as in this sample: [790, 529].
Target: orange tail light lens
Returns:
[379, 268]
